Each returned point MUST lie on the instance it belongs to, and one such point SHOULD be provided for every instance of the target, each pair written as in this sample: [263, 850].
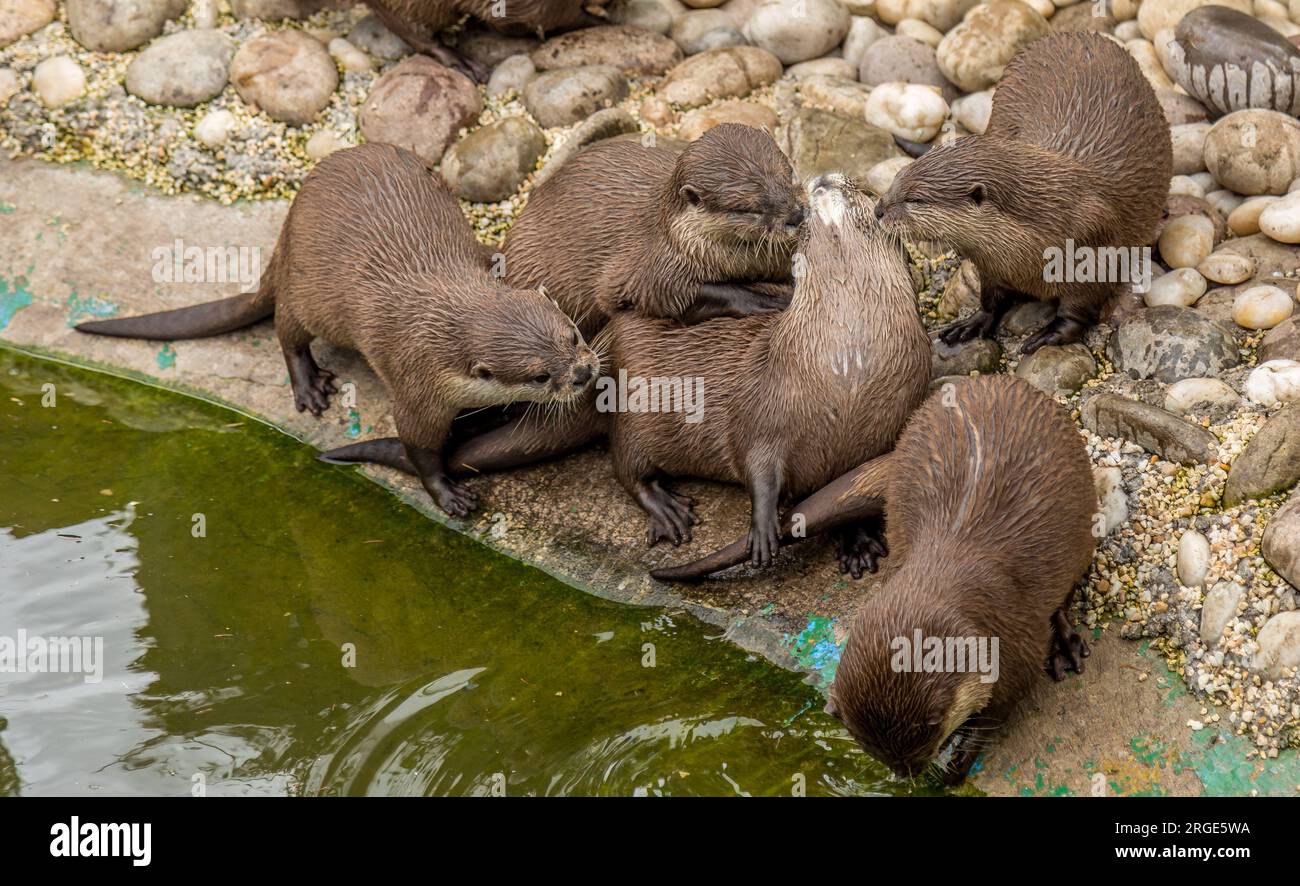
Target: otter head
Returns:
[836, 203]
[949, 194]
[905, 706]
[733, 186]
[522, 347]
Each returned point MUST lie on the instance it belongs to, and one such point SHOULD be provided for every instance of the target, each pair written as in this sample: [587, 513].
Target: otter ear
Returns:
[480, 371]
[690, 195]
[977, 194]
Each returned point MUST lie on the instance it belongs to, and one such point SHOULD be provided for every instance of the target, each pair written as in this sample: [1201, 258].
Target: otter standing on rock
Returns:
[1076, 149]
[662, 233]
[376, 256]
[989, 503]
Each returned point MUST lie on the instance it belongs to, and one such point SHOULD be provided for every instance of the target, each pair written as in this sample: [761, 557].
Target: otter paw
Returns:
[313, 394]
[671, 516]
[1061, 331]
[1068, 649]
[858, 548]
[980, 324]
[764, 539]
[453, 498]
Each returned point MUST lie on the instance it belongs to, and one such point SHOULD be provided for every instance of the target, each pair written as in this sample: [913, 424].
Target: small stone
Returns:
[1226, 268]
[919, 30]
[1279, 645]
[701, 120]
[719, 73]
[564, 96]
[1189, 147]
[900, 59]
[119, 25]
[324, 143]
[863, 32]
[1109, 483]
[829, 66]
[420, 105]
[19, 18]
[1262, 307]
[182, 69]
[1193, 559]
[349, 57]
[1224, 201]
[847, 97]
[629, 50]
[1058, 370]
[649, 15]
[1191, 394]
[973, 54]
[1281, 542]
[798, 30]
[491, 162]
[910, 112]
[373, 38]
[982, 355]
[9, 85]
[1182, 287]
[1254, 151]
[58, 81]
[972, 111]
[1244, 220]
[1269, 463]
[215, 127]
[286, 74]
[511, 75]
[1219, 608]
[705, 29]
[1274, 382]
[656, 111]
[882, 175]
[1280, 219]
[1155, 430]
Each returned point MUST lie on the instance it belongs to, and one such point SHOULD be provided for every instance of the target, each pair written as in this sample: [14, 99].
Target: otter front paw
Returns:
[764, 538]
[1068, 649]
[452, 497]
[671, 516]
[1061, 331]
[980, 324]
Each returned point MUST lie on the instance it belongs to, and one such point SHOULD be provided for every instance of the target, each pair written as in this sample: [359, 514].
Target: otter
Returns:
[677, 235]
[1076, 149]
[786, 401]
[376, 256]
[419, 21]
[989, 504]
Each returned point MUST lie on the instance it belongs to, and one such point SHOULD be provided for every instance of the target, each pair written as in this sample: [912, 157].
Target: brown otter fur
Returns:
[418, 22]
[376, 256]
[1076, 148]
[622, 225]
[990, 505]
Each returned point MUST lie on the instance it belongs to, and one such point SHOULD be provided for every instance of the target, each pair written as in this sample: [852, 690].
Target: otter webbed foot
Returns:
[452, 497]
[671, 516]
[981, 324]
[764, 537]
[312, 386]
[1068, 649]
[858, 547]
[1062, 330]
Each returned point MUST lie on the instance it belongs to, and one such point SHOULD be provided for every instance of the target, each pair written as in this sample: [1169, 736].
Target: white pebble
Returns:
[1244, 220]
[1280, 220]
[324, 143]
[1109, 483]
[8, 85]
[1182, 287]
[919, 30]
[1262, 307]
[1224, 200]
[1274, 382]
[1184, 396]
[1227, 268]
[1193, 559]
[907, 110]
[972, 111]
[1185, 184]
[349, 57]
[881, 176]
[1186, 241]
[58, 81]
[205, 13]
[215, 127]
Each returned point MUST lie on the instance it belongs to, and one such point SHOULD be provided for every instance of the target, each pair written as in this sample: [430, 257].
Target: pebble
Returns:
[1193, 558]
[1281, 542]
[119, 25]
[818, 141]
[973, 54]
[847, 97]
[372, 37]
[940, 14]
[719, 73]
[491, 162]
[906, 110]
[919, 30]
[902, 59]
[182, 69]
[1280, 219]
[564, 96]
[705, 29]
[1279, 645]
[9, 85]
[882, 175]
[701, 120]
[287, 74]
[511, 75]
[1281, 343]
[979, 355]
[1058, 371]
[1189, 147]
[972, 111]
[632, 51]
[1111, 498]
[1254, 152]
[324, 143]
[1231, 61]
[1224, 201]
[1155, 15]
[1154, 429]
[1219, 608]
[1270, 461]
[21, 17]
[1191, 394]
[649, 15]
[1186, 241]
[1244, 220]
[798, 30]
[1182, 287]
[349, 57]
[1170, 343]
[1226, 268]
[1274, 382]
[58, 81]
[863, 32]
[829, 66]
[1185, 184]
[1262, 307]
[420, 105]
[214, 128]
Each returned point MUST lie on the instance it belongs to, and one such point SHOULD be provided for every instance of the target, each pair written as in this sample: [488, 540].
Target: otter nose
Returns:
[581, 376]
[880, 209]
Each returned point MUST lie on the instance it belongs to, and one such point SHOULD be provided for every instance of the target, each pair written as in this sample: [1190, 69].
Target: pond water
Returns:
[268, 624]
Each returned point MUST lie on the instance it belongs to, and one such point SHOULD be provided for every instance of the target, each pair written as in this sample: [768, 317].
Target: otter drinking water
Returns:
[990, 502]
[1077, 149]
[663, 233]
[789, 400]
[376, 256]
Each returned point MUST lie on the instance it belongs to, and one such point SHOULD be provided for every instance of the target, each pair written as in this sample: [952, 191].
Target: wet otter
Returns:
[376, 256]
[789, 400]
[1076, 149]
[418, 22]
[622, 225]
[990, 504]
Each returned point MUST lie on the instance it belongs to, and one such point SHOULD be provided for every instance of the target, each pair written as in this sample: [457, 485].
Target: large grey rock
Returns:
[1231, 61]
[1170, 343]
[630, 50]
[564, 96]
[490, 163]
[1281, 545]
[119, 25]
[420, 105]
[183, 69]
[1270, 462]
[287, 74]
[903, 59]
[1058, 370]
[1154, 429]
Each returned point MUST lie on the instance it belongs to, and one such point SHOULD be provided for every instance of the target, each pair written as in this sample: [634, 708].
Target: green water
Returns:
[228, 663]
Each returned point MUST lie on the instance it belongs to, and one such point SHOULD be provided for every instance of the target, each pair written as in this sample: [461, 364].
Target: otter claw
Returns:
[671, 515]
[980, 324]
[1068, 648]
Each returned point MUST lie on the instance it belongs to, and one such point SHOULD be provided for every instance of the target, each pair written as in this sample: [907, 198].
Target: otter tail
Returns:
[387, 451]
[852, 497]
[196, 321]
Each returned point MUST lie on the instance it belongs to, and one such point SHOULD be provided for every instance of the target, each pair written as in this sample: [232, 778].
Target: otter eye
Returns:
[977, 195]
[541, 379]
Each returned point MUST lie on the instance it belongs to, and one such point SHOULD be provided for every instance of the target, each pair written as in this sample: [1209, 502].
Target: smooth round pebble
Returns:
[1261, 307]
[1186, 241]
[1224, 201]
[1226, 268]
[215, 127]
[324, 143]
[1184, 396]
[1109, 483]
[349, 57]
[8, 85]
[1274, 382]
[881, 176]
[1193, 559]
[1182, 287]
[1185, 184]
[907, 110]
[798, 30]
[972, 111]
[919, 30]
[58, 81]
[1280, 220]
[1189, 147]
[1244, 220]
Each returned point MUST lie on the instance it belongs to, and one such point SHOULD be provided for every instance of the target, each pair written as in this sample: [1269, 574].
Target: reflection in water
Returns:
[272, 625]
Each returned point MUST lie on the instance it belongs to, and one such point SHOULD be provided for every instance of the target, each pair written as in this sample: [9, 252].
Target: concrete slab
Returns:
[76, 244]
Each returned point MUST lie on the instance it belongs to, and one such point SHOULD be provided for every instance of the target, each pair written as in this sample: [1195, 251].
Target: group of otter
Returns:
[794, 307]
